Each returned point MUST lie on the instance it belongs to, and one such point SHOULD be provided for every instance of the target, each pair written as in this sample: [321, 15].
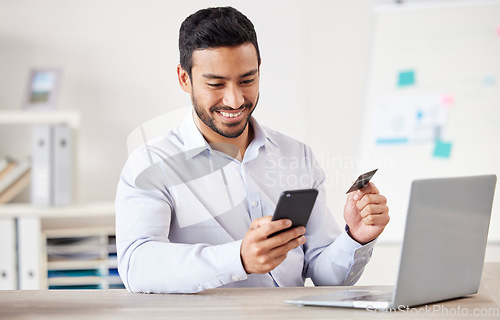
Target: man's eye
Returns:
[215, 85]
[249, 81]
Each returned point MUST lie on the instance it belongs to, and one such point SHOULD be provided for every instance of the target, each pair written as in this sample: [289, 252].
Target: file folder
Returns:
[52, 168]
[29, 253]
[62, 174]
[8, 254]
[41, 169]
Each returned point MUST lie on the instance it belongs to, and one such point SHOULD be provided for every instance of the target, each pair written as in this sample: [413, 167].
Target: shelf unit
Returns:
[71, 118]
[38, 228]
[89, 232]
[29, 233]
[80, 259]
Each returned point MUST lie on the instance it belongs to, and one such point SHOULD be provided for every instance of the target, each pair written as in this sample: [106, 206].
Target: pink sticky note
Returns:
[448, 100]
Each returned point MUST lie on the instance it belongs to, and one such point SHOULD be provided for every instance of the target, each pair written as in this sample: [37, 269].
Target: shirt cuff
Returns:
[229, 263]
[358, 251]
[361, 245]
[361, 255]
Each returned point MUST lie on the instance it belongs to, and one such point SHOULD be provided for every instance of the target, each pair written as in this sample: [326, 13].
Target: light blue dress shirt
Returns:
[183, 208]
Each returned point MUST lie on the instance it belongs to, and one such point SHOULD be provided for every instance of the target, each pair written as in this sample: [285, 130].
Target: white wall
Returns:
[119, 59]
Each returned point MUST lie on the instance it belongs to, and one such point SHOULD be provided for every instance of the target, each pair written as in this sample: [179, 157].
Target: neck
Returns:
[212, 137]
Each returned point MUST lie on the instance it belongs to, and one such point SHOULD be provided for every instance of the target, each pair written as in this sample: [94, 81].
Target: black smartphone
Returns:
[295, 205]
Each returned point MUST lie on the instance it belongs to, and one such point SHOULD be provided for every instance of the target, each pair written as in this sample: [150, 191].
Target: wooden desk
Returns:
[240, 303]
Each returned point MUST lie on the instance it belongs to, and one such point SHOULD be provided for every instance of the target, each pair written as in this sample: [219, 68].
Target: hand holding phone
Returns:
[295, 205]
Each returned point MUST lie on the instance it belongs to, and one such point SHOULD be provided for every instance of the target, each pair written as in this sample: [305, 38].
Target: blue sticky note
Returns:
[406, 78]
[391, 140]
[442, 149]
[489, 80]
[420, 115]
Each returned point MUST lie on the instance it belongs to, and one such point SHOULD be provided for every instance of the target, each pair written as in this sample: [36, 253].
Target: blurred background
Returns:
[410, 88]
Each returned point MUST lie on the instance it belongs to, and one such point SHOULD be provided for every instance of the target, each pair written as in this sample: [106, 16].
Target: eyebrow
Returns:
[214, 76]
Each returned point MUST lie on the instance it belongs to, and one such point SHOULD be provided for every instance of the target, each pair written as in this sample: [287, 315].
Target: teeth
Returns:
[230, 115]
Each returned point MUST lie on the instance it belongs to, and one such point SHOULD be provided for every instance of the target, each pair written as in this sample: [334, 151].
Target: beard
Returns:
[232, 130]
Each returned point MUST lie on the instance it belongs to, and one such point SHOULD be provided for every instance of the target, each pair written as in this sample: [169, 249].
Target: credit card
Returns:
[361, 181]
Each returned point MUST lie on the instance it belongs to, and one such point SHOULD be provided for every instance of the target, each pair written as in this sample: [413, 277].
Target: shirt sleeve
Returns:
[332, 257]
[147, 261]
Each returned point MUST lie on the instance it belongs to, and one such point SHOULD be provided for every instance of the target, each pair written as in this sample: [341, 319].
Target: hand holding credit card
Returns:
[365, 212]
[361, 181]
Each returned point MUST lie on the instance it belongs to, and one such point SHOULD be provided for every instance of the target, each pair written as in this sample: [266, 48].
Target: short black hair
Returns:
[214, 28]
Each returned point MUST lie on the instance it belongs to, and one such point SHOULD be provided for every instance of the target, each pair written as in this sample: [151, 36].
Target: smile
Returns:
[231, 115]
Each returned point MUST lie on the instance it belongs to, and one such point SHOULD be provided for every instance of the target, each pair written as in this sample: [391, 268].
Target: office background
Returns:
[119, 63]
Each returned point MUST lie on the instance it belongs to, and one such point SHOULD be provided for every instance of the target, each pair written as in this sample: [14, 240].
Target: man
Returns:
[194, 206]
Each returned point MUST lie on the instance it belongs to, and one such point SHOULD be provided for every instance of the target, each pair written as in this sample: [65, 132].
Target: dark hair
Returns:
[213, 28]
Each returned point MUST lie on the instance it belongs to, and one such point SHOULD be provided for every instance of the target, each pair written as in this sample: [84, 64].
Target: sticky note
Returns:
[448, 100]
[391, 140]
[489, 80]
[406, 78]
[420, 115]
[442, 149]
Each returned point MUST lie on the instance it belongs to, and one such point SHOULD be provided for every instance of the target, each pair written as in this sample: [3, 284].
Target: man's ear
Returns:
[184, 79]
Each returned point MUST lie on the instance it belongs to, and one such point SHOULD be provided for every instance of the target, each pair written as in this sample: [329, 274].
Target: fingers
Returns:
[369, 188]
[289, 245]
[268, 260]
[366, 212]
[257, 223]
[260, 254]
[375, 215]
[370, 198]
[373, 207]
[380, 219]
[264, 226]
[281, 253]
[286, 236]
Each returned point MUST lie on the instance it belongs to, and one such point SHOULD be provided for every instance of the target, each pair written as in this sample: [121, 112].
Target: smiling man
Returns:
[200, 216]
[224, 88]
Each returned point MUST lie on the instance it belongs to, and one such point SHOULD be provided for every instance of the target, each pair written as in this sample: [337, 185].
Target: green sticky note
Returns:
[406, 78]
[442, 149]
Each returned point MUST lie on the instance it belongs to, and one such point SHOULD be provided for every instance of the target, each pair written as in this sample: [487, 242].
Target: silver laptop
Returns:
[443, 248]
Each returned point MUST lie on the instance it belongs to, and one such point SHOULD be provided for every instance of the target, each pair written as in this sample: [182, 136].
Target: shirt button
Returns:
[255, 204]
[235, 278]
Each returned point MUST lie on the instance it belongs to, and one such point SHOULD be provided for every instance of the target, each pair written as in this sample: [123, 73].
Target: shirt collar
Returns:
[260, 134]
[195, 143]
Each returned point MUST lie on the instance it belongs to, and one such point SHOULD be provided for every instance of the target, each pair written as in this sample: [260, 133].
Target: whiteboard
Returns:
[433, 99]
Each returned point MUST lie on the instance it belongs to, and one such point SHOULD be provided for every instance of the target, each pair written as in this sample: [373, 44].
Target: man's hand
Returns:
[366, 213]
[260, 254]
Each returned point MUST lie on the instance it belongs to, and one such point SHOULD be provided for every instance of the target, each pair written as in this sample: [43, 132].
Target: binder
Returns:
[52, 169]
[29, 253]
[8, 254]
[62, 173]
[41, 171]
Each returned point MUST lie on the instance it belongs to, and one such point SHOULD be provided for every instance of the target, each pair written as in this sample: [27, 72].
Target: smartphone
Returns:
[295, 205]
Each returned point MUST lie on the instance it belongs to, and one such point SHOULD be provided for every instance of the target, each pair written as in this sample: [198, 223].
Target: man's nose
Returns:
[233, 97]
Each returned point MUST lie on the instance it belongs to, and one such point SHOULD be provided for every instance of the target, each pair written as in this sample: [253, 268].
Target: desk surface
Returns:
[237, 303]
